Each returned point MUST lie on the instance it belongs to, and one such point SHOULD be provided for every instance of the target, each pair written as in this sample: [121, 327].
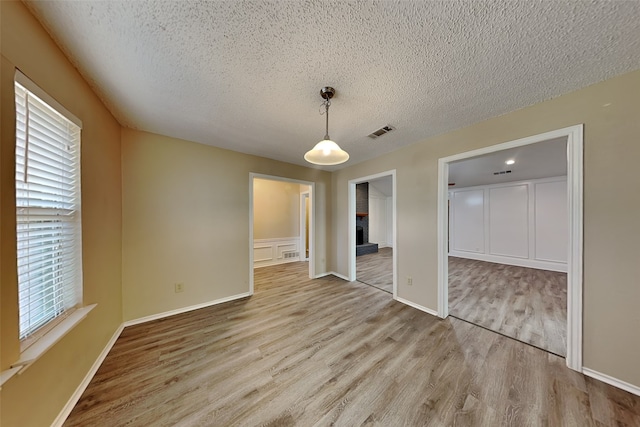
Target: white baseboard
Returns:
[417, 306]
[634, 389]
[185, 309]
[518, 262]
[340, 276]
[62, 416]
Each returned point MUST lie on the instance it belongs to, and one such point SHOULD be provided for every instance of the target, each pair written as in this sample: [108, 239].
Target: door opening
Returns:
[574, 136]
[372, 231]
[279, 237]
[508, 234]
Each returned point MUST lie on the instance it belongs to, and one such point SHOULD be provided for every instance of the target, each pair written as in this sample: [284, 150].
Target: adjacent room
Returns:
[281, 218]
[508, 243]
[374, 233]
[179, 218]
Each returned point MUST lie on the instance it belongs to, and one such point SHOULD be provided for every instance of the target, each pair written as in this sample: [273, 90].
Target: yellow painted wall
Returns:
[610, 112]
[35, 397]
[276, 209]
[186, 220]
[158, 210]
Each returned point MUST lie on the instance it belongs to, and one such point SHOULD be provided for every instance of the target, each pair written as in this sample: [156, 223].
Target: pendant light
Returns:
[326, 152]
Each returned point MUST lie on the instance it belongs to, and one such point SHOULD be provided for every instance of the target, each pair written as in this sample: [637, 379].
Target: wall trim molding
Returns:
[185, 309]
[351, 224]
[575, 178]
[520, 262]
[75, 397]
[312, 222]
[339, 276]
[73, 400]
[633, 389]
[417, 306]
[268, 252]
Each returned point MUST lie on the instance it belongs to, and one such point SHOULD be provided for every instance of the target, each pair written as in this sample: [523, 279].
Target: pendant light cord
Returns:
[326, 104]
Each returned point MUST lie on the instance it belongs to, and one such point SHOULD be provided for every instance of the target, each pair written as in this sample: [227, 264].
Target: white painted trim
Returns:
[417, 306]
[530, 260]
[62, 416]
[251, 241]
[574, 135]
[511, 183]
[303, 227]
[276, 248]
[520, 262]
[634, 389]
[340, 276]
[574, 261]
[312, 215]
[44, 96]
[443, 238]
[351, 240]
[7, 374]
[48, 340]
[71, 403]
[185, 309]
[318, 276]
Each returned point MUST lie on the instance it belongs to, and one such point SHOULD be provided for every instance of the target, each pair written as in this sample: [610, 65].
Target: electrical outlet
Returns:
[179, 287]
[409, 280]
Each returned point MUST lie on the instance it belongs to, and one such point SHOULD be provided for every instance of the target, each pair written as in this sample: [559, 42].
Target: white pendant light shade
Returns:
[326, 153]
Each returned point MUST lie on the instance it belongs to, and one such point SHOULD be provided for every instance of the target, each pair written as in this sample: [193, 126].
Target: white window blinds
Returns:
[48, 211]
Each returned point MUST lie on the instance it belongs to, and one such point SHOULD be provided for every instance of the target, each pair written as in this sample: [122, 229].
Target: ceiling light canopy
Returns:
[326, 152]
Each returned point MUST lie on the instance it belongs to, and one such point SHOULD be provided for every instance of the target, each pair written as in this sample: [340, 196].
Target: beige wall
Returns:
[276, 209]
[610, 112]
[186, 219]
[178, 212]
[35, 397]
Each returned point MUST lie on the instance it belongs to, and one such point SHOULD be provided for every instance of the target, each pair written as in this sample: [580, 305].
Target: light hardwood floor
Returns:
[376, 269]
[527, 304]
[324, 352]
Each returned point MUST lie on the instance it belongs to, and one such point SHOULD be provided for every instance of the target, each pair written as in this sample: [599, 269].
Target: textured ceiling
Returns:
[245, 75]
[541, 160]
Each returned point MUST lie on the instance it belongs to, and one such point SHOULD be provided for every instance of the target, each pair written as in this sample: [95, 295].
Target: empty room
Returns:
[508, 243]
[179, 218]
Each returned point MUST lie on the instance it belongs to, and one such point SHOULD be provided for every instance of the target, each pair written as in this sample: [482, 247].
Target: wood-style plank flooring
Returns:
[376, 269]
[326, 352]
[527, 304]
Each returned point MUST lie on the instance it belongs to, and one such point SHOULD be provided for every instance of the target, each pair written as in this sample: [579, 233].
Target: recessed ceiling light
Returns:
[510, 161]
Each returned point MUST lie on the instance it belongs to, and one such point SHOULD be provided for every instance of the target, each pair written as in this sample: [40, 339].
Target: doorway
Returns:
[508, 234]
[372, 231]
[574, 137]
[304, 225]
[293, 241]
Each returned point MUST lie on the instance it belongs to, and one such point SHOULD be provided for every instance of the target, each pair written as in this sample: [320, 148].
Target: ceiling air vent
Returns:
[501, 172]
[381, 131]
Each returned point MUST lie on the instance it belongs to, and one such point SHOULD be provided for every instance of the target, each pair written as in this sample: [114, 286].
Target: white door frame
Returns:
[312, 231]
[303, 226]
[352, 225]
[574, 136]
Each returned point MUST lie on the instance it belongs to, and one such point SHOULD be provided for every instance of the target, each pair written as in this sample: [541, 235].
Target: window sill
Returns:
[40, 347]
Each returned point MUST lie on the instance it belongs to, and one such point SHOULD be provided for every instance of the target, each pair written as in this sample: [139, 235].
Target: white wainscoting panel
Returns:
[378, 220]
[468, 219]
[551, 221]
[521, 223]
[275, 251]
[508, 221]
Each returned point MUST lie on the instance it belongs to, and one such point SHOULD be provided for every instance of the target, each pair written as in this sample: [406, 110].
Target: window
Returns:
[47, 208]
